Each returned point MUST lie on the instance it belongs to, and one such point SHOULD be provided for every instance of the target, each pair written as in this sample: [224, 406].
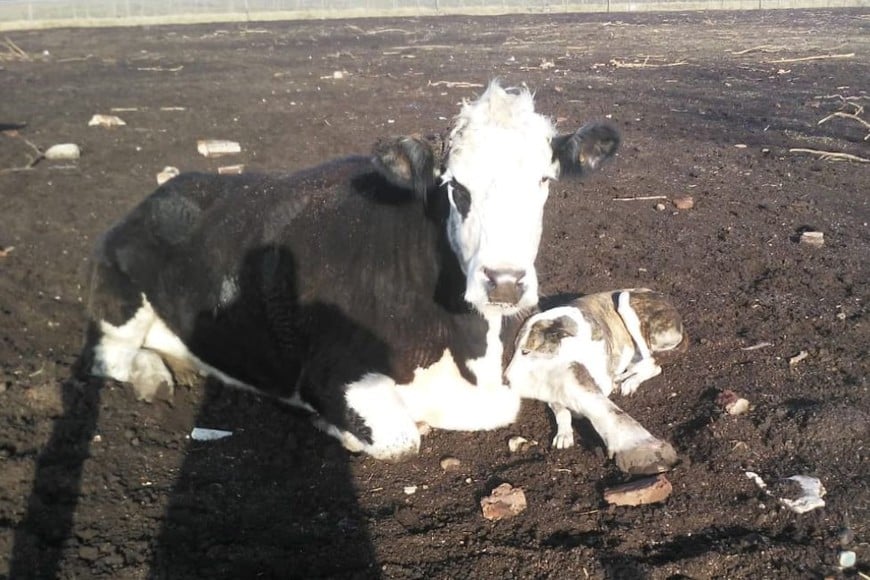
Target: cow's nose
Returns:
[504, 286]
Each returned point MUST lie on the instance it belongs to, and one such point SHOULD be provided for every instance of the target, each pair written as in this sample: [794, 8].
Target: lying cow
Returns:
[574, 356]
[368, 290]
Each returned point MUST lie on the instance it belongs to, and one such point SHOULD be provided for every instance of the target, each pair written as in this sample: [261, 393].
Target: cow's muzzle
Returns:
[504, 286]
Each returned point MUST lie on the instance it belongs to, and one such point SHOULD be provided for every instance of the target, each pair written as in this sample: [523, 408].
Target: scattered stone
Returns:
[846, 537]
[641, 491]
[815, 239]
[89, 553]
[740, 145]
[684, 202]
[846, 559]
[798, 358]
[410, 489]
[168, 173]
[106, 121]
[504, 502]
[217, 147]
[63, 151]
[660, 207]
[231, 169]
[732, 402]
[450, 464]
[518, 443]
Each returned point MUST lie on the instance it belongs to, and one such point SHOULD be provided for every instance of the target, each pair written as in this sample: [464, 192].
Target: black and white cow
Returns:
[575, 355]
[368, 290]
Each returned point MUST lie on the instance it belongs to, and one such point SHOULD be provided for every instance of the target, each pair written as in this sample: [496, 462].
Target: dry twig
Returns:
[847, 116]
[17, 51]
[817, 57]
[830, 155]
[759, 48]
[645, 64]
[641, 198]
[33, 160]
[455, 84]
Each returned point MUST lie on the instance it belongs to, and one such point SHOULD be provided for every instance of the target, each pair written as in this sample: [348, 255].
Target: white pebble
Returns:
[847, 559]
[63, 151]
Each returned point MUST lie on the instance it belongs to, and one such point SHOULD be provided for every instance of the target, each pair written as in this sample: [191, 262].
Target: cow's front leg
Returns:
[634, 449]
[376, 420]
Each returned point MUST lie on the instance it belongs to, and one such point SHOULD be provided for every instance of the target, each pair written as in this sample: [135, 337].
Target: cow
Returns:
[369, 291]
[573, 356]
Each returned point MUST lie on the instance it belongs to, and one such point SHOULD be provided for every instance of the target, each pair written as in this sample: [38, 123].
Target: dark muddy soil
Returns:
[96, 485]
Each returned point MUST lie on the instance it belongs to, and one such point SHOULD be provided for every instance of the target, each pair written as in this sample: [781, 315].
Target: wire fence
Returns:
[36, 13]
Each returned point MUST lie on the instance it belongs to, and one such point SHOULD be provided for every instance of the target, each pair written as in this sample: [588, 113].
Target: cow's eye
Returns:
[525, 351]
[460, 197]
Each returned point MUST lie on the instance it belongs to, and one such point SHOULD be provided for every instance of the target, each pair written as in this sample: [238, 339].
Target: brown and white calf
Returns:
[574, 356]
[368, 290]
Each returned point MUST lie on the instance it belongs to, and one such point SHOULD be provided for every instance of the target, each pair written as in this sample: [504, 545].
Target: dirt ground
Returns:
[96, 485]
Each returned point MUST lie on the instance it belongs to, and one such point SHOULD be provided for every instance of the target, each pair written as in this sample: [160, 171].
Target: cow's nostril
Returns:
[504, 286]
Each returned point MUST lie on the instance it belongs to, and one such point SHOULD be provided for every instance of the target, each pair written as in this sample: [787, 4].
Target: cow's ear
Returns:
[410, 162]
[586, 150]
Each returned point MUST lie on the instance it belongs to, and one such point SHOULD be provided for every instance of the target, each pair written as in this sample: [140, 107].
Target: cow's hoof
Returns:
[150, 378]
[649, 457]
[563, 440]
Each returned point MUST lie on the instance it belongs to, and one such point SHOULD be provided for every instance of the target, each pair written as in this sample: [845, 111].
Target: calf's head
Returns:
[495, 168]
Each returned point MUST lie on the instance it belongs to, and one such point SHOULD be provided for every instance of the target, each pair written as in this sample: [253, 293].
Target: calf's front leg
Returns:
[634, 449]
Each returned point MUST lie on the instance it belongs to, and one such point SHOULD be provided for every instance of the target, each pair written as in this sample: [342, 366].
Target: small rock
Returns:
[63, 151]
[738, 407]
[846, 537]
[89, 553]
[231, 169]
[217, 147]
[798, 358]
[106, 121]
[660, 207]
[504, 502]
[684, 202]
[639, 492]
[815, 239]
[410, 489]
[740, 145]
[168, 173]
[518, 443]
[732, 402]
[338, 74]
[450, 464]
[846, 559]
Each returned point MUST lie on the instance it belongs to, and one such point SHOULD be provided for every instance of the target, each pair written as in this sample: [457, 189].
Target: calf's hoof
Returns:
[647, 458]
[563, 440]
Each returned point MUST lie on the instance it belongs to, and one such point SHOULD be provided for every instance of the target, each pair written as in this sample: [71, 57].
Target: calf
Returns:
[369, 291]
[574, 356]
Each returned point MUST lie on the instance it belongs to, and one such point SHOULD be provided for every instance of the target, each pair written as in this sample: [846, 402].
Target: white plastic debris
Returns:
[205, 434]
[231, 169]
[63, 151]
[812, 492]
[106, 121]
[217, 147]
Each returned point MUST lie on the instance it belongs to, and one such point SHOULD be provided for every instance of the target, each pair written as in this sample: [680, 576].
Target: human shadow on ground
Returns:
[276, 499]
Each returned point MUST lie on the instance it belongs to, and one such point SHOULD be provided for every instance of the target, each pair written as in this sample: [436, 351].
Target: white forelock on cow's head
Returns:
[498, 166]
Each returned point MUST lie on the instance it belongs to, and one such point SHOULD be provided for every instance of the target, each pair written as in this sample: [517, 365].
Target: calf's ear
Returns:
[410, 162]
[585, 150]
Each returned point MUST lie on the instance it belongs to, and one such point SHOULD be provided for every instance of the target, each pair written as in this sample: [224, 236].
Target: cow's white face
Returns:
[500, 158]
[497, 174]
